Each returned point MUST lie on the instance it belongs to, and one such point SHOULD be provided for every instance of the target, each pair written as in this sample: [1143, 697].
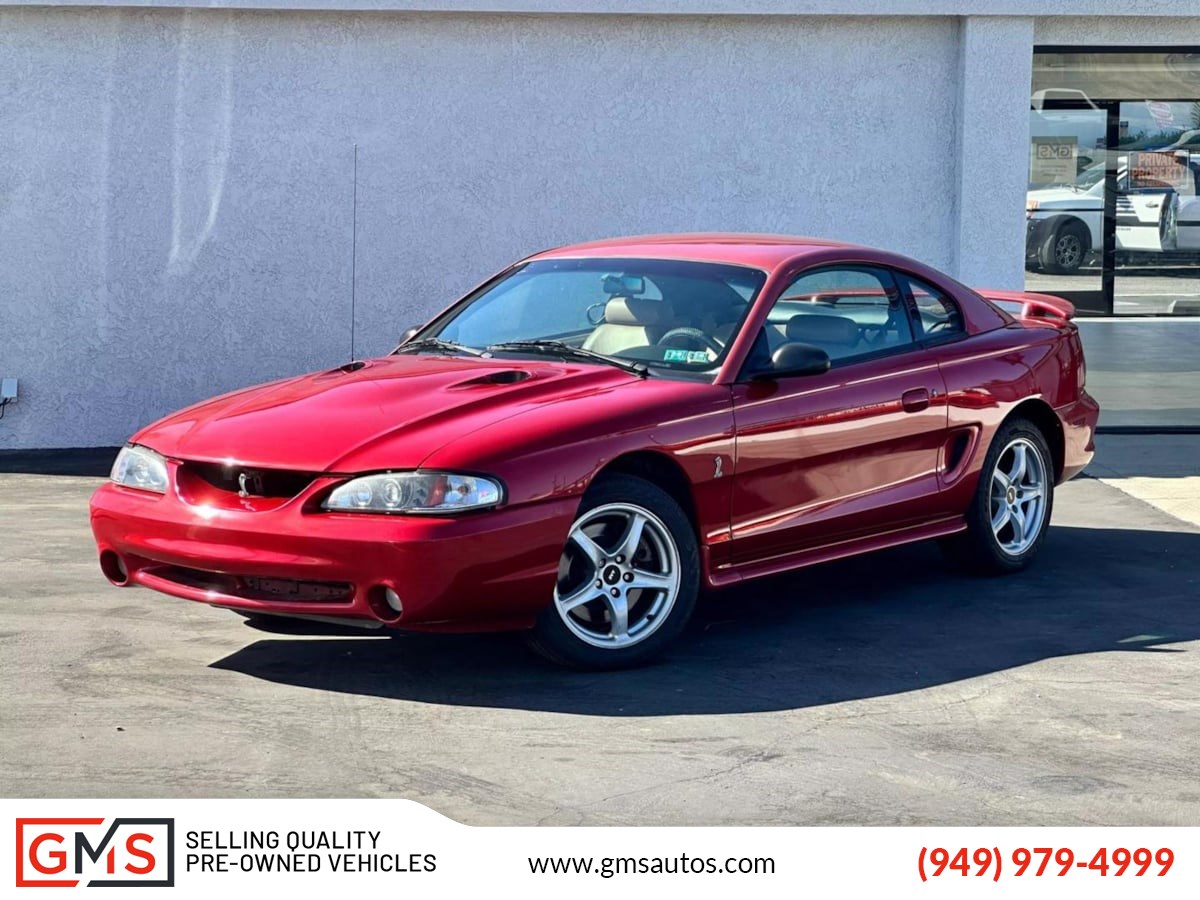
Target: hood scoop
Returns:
[501, 377]
[344, 369]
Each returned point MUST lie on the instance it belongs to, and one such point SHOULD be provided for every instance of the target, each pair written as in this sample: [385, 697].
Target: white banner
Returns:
[396, 848]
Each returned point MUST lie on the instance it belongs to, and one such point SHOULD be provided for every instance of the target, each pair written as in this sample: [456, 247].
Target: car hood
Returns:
[1051, 197]
[375, 414]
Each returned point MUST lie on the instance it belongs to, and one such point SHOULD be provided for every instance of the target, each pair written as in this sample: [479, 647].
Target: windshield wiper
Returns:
[560, 348]
[438, 344]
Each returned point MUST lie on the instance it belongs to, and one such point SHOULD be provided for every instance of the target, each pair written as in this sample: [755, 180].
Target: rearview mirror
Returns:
[793, 359]
[408, 334]
[623, 285]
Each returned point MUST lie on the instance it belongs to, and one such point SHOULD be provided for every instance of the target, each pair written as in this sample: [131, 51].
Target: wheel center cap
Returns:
[1012, 495]
[612, 575]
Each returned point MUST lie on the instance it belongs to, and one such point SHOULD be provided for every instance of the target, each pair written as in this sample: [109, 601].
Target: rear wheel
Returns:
[1064, 249]
[1010, 511]
[628, 578]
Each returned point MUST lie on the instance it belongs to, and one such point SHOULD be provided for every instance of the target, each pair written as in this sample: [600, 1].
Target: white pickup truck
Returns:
[1064, 222]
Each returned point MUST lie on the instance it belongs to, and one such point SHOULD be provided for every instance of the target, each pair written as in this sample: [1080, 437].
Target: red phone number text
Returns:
[934, 862]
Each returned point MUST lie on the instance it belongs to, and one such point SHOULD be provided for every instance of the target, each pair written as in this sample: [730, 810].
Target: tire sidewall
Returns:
[553, 639]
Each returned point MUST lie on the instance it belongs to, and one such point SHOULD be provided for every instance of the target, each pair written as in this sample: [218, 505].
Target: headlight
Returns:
[414, 492]
[141, 468]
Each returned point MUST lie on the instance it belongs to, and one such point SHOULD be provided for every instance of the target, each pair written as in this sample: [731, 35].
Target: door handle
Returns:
[915, 400]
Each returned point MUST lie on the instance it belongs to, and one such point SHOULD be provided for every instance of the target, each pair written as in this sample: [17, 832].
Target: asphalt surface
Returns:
[886, 690]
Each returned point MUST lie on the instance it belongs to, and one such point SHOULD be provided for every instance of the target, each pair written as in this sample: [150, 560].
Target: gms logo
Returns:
[71, 852]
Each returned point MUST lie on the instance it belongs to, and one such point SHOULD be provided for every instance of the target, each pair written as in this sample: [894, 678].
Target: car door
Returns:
[1147, 199]
[823, 458]
[1141, 219]
[1187, 224]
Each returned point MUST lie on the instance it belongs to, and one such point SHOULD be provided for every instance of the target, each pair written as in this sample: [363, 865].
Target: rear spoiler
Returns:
[1028, 306]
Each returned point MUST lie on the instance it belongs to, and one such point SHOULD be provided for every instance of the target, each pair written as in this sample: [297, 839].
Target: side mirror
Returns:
[792, 359]
[408, 334]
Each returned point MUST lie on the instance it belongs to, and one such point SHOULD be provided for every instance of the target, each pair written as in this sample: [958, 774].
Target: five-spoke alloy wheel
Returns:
[627, 578]
[1018, 498]
[1010, 511]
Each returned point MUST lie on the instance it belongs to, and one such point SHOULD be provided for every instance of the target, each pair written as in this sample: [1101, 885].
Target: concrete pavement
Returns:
[1162, 470]
[886, 690]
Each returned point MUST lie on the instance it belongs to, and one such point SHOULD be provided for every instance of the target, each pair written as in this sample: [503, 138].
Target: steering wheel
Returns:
[694, 334]
[939, 326]
[875, 335]
[594, 317]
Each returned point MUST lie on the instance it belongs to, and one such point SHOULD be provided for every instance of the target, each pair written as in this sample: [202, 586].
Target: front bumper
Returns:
[493, 569]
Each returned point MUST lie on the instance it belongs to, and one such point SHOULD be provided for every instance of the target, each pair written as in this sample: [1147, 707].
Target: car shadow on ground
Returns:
[886, 623]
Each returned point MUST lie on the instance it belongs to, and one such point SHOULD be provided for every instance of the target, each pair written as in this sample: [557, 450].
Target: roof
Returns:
[765, 251]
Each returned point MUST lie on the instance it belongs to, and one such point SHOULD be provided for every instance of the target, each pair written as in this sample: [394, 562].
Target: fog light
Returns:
[113, 568]
[393, 600]
[385, 603]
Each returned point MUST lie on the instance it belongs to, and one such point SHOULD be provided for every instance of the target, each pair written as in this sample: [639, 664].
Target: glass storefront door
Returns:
[1113, 204]
[1157, 261]
[1131, 120]
[1065, 202]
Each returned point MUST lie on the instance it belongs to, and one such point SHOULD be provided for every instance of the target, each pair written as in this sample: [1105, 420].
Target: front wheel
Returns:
[1064, 249]
[1010, 510]
[628, 578]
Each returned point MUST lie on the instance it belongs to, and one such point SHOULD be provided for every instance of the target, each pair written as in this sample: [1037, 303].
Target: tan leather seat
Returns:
[628, 322]
[836, 335]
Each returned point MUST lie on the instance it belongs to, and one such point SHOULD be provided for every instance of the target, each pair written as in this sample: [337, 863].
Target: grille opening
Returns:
[259, 587]
[259, 482]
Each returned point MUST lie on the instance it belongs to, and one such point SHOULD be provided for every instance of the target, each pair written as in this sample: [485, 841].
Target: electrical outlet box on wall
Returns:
[8, 389]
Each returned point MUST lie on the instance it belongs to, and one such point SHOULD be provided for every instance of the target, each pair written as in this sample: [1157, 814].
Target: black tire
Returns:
[1064, 249]
[563, 644]
[1168, 222]
[979, 549]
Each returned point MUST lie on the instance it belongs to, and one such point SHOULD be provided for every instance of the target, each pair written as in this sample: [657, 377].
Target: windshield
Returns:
[672, 314]
[1091, 176]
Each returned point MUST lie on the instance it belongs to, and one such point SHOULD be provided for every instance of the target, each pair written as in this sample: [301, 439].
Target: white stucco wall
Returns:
[175, 182]
[175, 186]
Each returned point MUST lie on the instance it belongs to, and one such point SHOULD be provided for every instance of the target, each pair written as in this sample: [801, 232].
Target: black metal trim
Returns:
[1147, 429]
[1113, 48]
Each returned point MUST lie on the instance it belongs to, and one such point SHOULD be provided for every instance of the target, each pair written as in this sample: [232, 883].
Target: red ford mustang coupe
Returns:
[584, 441]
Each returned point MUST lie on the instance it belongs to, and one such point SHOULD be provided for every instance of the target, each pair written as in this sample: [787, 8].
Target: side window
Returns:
[846, 311]
[937, 315]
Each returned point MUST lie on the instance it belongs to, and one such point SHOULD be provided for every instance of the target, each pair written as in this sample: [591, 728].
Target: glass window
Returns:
[847, 312]
[937, 315]
[1113, 204]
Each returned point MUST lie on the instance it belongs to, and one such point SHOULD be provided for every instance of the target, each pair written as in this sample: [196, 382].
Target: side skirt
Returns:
[732, 574]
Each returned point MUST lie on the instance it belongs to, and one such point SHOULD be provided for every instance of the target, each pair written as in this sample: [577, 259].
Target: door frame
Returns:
[1091, 301]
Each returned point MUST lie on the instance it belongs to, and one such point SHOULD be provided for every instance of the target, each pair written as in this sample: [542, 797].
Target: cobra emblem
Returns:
[720, 465]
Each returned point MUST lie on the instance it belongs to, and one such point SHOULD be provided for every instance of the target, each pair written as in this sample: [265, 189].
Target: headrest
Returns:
[822, 329]
[634, 311]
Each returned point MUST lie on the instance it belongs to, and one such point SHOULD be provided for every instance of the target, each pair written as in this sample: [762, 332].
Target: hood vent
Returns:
[339, 371]
[504, 376]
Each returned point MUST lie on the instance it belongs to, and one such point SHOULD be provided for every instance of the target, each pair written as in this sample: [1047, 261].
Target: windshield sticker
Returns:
[697, 356]
[675, 356]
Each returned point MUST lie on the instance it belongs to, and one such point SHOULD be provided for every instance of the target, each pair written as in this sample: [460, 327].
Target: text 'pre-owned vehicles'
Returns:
[586, 440]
